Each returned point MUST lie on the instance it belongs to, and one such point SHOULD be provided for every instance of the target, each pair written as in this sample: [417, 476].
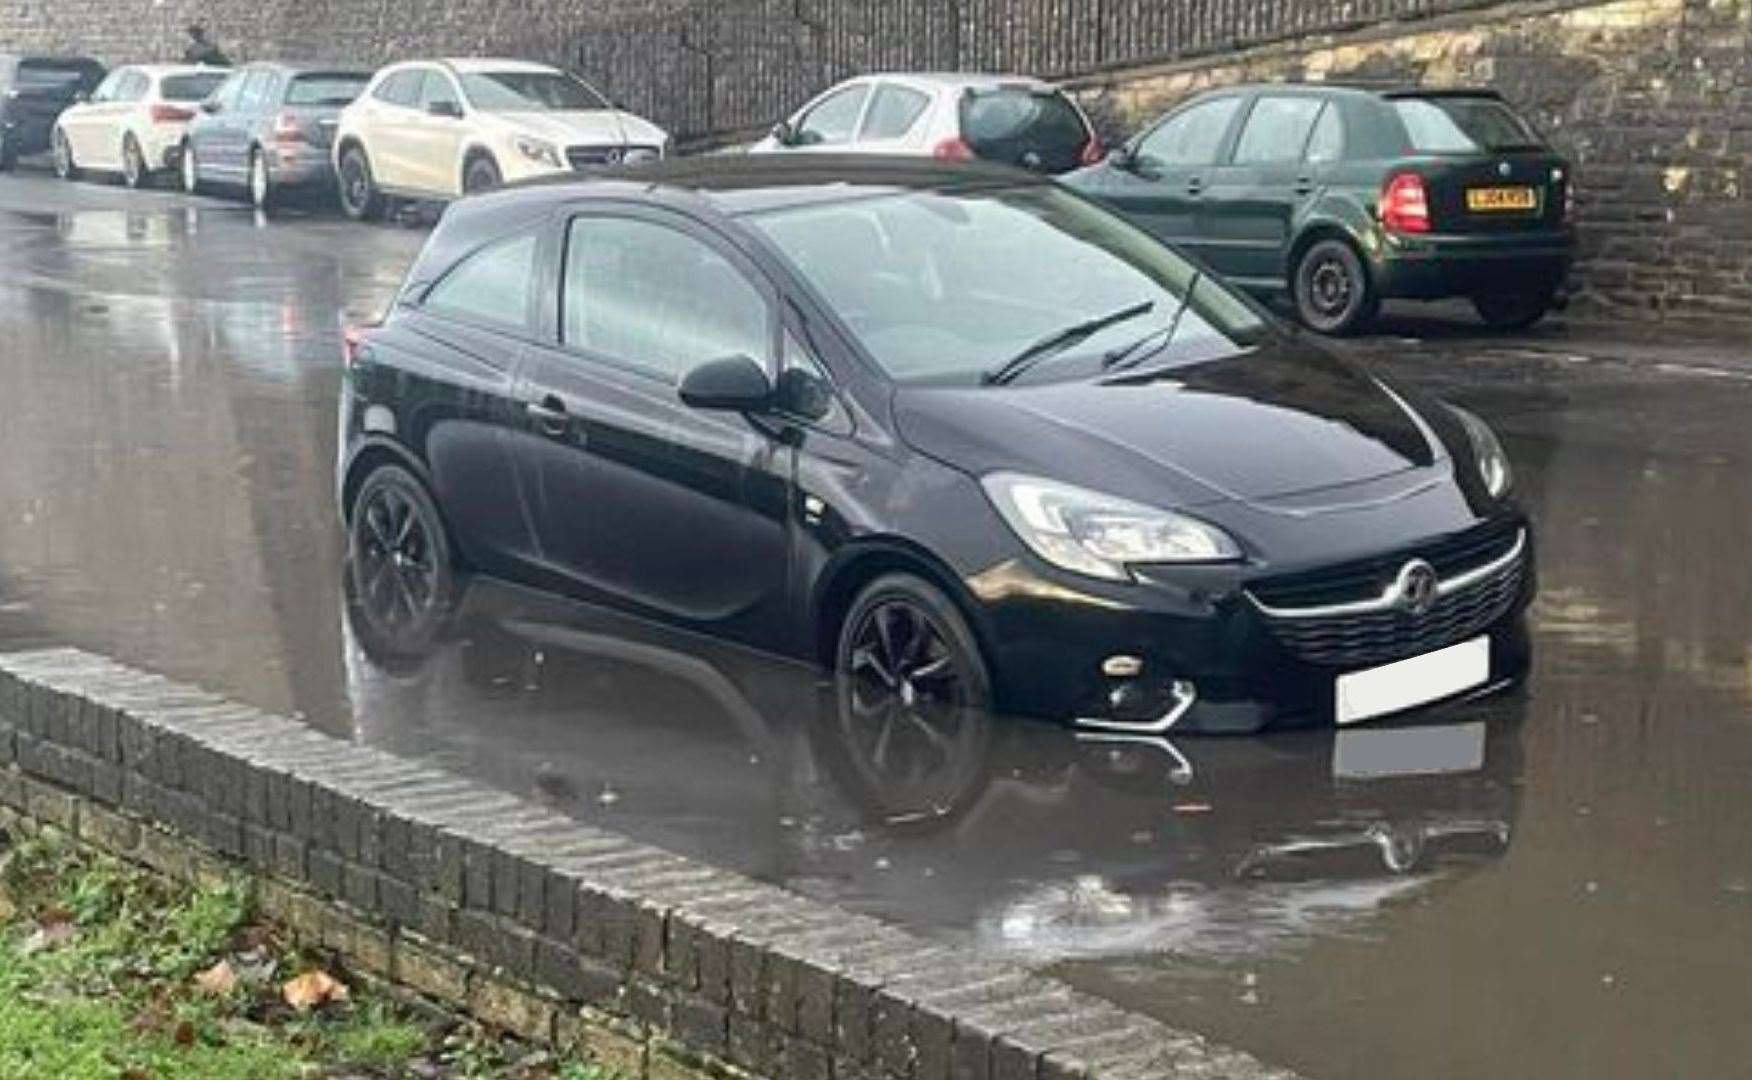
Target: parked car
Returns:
[437, 129]
[1010, 119]
[1343, 198]
[954, 431]
[133, 123]
[269, 128]
[33, 92]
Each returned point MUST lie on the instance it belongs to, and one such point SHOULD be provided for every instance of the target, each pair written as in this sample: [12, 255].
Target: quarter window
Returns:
[133, 87]
[657, 299]
[893, 112]
[402, 88]
[1277, 130]
[1327, 141]
[255, 91]
[1192, 138]
[833, 120]
[106, 90]
[490, 286]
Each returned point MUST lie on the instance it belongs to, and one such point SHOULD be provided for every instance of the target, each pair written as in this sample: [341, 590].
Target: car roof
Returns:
[470, 64]
[160, 71]
[299, 67]
[954, 79]
[1353, 89]
[737, 184]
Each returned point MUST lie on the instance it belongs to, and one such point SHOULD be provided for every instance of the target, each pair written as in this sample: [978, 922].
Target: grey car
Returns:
[268, 130]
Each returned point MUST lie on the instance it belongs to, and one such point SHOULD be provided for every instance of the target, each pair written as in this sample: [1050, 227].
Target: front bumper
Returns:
[1436, 267]
[1209, 658]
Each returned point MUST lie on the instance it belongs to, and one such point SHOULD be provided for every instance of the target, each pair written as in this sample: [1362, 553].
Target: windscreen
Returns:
[529, 91]
[191, 87]
[326, 89]
[1464, 125]
[946, 287]
[1039, 129]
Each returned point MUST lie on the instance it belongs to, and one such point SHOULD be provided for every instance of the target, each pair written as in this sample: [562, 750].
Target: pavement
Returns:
[1553, 883]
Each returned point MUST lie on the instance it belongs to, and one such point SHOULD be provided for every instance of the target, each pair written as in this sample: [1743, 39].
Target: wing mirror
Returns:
[783, 133]
[450, 110]
[1123, 157]
[211, 106]
[732, 384]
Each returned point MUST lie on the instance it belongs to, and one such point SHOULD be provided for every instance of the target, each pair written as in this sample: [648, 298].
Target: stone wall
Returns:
[1651, 100]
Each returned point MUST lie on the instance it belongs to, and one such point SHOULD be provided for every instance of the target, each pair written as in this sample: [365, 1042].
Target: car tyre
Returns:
[261, 182]
[400, 564]
[135, 173]
[1332, 290]
[480, 174]
[1514, 309]
[907, 663]
[65, 167]
[190, 170]
[360, 199]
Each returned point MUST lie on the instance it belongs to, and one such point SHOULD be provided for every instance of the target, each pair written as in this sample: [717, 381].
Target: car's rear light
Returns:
[171, 114]
[1093, 151]
[953, 148]
[287, 129]
[1405, 204]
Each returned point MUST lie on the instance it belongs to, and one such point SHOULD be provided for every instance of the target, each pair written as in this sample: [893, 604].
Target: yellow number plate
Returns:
[1487, 199]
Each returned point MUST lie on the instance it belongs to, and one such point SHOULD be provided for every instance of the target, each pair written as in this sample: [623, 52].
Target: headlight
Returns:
[1100, 535]
[1487, 450]
[544, 153]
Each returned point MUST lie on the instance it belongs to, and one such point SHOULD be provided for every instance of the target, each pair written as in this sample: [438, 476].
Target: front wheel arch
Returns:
[862, 562]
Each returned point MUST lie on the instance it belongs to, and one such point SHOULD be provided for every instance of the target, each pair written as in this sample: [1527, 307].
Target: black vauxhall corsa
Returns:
[1341, 198]
[955, 432]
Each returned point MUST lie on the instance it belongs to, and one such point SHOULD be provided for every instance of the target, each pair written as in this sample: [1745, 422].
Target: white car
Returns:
[437, 129]
[133, 123]
[1013, 119]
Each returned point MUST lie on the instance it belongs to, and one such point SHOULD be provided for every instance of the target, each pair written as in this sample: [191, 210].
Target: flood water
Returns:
[1552, 883]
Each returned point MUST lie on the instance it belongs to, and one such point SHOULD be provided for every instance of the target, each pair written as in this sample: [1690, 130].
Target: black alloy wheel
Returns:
[1514, 309]
[480, 174]
[1332, 290]
[399, 560]
[135, 174]
[914, 699]
[360, 199]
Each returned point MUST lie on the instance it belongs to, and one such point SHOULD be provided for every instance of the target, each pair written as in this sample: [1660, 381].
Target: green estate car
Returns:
[1342, 198]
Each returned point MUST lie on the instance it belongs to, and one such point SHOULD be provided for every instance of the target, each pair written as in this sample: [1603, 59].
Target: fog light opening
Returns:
[1127, 694]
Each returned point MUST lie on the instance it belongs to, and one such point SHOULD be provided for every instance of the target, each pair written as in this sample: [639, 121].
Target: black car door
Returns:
[1253, 196]
[638, 498]
[1162, 182]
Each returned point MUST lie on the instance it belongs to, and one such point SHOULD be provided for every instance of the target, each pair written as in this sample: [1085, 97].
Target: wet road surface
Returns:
[1553, 883]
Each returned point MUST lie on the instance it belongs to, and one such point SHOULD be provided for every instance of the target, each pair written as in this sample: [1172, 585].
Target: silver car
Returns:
[267, 129]
[1013, 119]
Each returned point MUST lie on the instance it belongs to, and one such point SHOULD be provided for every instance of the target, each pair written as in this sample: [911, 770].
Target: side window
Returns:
[490, 286]
[134, 87]
[832, 120]
[1192, 138]
[230, 90]
[1327, 142]
[106, 90]
[402, 88]
[254, 93]
[655, 298]
[436, 88]
[893, 112]
[1277, 130]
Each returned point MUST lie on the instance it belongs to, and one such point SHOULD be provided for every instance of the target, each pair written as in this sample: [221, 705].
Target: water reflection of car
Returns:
[267, 130]
[1033, 838]
[34, 90]
[949, 429]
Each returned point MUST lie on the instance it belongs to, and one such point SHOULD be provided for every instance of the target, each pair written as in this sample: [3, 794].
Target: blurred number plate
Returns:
[1370, 753]
[1415, 681]
[1487, 199]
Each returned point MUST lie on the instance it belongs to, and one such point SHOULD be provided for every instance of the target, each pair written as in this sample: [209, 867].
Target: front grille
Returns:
[1364, 579]
[1364, 638]
[582, 158]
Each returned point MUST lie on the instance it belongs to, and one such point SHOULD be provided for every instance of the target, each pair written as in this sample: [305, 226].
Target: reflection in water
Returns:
[1026, 838]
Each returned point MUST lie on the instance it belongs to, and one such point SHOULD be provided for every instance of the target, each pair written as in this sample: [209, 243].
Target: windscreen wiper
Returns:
[1060, 340]
[1121, 359]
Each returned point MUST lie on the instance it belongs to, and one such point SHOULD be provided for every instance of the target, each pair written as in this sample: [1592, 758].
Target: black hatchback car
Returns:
[1342, 198]
[33, 92]
[954, 431]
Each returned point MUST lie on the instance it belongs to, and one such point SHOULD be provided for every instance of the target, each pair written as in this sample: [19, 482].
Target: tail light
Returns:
[1405, 204]
[287, 129]
[1093, 151]
[171, 114]
[953, 148]
[352, 344]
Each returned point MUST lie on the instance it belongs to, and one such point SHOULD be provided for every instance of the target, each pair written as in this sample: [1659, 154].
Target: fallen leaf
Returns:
[48, 936]
[312, 989]
[184, 1034]
[218, 980]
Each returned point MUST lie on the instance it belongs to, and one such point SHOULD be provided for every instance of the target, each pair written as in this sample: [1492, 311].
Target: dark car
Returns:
[33, 91]
[953, 431]
[1343, 198]
[268, 129]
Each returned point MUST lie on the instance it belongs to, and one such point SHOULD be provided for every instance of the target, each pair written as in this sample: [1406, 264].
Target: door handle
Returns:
[549, 415]
[1194, 186]
[1304, 185]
